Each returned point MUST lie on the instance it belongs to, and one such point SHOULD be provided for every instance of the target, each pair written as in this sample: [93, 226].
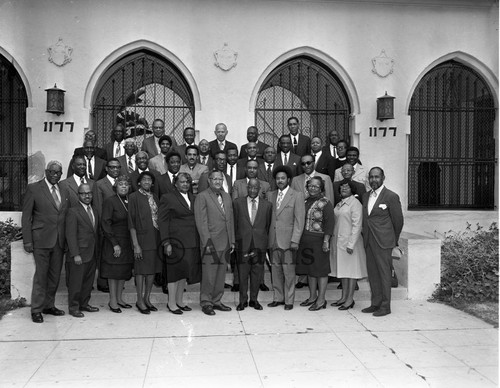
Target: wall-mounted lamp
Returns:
[55, 100]
[385, 107]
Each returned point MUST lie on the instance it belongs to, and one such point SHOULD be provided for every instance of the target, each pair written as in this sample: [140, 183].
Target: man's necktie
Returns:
[173, 177]
[82, 181]
[334, 152]
[221, 145]
[373, 194]
[56, 198]
[231, 174]
[280, 198]
[285, 162]
[91, 216]
[294, 144]
[221, 203]
[269, 172]
[204, 160]
[254, 211]
[89, 169]
[117, 151]
[130, 165]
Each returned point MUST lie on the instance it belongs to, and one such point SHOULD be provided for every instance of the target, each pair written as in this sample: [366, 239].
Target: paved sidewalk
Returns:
[420, 344]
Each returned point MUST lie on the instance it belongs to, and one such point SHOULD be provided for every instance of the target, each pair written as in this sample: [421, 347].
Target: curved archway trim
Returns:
[328, 61]
[21, 73]
[129, 48]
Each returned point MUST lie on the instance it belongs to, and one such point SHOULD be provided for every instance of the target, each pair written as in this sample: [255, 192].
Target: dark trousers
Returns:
[80, 280]
[378, 264]
[252, 267]
[48, 266]
[213, 276]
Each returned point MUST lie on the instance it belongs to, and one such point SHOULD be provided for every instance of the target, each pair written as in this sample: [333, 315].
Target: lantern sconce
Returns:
[385, 107]
[55, 100]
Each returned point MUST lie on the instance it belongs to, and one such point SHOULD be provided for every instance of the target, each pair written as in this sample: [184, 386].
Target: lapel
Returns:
[48, 194]
[378, 201]
[72, 185]
[288, 196]
[182, 201]
[85, 216]
[216, 201]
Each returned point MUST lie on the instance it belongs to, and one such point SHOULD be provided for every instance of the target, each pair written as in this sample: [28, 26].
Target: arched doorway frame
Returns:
[21, 73]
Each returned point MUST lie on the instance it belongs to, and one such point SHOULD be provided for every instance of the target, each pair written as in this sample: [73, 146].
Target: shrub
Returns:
[469, 265]
[8, 232]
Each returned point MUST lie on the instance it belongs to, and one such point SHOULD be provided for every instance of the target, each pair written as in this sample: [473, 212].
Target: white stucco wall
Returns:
[344, 35]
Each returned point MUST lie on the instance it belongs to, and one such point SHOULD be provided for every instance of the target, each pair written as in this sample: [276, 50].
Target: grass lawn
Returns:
[487, 311]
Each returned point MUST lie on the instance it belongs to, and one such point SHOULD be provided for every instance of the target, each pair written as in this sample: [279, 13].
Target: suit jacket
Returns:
[124, 164]
[263, 176]
[359, 187]
[164, 184]
[287, 222]
[42, 222]
[196, 172]
[110, 152]
[134, 186]
[360, 175]
[299, 184]
[241, 166]
[139, 218]
[158, 164]
[102, 190]
[150, 144]
[99, 169]
[322, 162]
[240, 189]
[293, 163]
[216, 227]
[176, 220]
[209, 164]
[238, 171]
[81, 235]
[70, 187]
[99, 152]
[247, 233]
[203, 183]
[385, 221]
[261, 147]
[214, 146]
[303, 146]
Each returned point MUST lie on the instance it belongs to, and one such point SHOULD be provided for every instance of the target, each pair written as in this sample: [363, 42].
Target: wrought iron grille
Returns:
[13, 142]
[452, 148]
[304, 88]
[138, 89]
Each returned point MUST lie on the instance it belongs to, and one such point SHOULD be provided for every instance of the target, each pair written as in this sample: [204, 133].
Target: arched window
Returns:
[452, 148]
[13, 141]
[305, 88]
[136, 90]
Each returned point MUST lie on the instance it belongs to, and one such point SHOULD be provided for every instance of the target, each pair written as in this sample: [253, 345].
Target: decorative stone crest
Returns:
[60, 53]
[225, 58]
[383, 65]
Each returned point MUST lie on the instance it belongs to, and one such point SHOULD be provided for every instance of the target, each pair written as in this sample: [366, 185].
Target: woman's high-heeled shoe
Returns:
[117, 310]
[308, 302]
[344, 307]
[185, 308]
[338, 303]
[316, 307]
[176, 312]
[124, 306]
[150, 307]
[143, 311]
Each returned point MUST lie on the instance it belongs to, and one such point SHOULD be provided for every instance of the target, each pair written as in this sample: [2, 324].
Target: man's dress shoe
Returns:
[240, 307]
[53, 311]
[370, 309]
[208, 310]
[76, 314]
[256, 305]
[37, 317]
[275, 304]
[89, 308]
[381, 313]
[221, 307]
[288, 307]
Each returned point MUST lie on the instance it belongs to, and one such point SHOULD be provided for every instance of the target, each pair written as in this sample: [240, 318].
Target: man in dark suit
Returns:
[340, 160]
[71, 183]
[241, 164]
[287, 224]
[90, 135]
[321, 157]
[253, 137]
[301, 143]
[189, 136]
[331, 147]
[204, 157]
[127, 161]
[82, 224]
[151, 144]
[43, 226]
[141, 161]
[95, 165]
[164, 182]
[240, 186]
[266, 168]
[213, 212]
[115, 147]
[252, 219]
[232, 168]
[286, 157]
[220, 164]
[347, 171]
[220, 143]
[382, 225]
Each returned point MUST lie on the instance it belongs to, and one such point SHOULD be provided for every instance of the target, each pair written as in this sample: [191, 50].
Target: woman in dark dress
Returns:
[117, 258]
[313, 256]
[143, 224]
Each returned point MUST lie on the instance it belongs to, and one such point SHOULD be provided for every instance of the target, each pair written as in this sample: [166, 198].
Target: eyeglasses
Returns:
[306, 163]
[52, 172]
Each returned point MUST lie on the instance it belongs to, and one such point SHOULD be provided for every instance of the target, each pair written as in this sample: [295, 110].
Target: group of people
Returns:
[179, 214]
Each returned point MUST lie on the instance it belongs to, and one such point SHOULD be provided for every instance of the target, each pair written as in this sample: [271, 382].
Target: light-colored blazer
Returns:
[196, 171]
[287, 222]
[360, 175]
[216, 227]
[299, 184]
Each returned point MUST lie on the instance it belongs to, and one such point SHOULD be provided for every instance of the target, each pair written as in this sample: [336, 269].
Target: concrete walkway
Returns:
[420, 344]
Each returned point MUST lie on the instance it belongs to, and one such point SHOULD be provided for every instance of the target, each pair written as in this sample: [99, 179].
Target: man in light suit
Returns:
[360, 174]
[287, 224]
[43, 226]
[220, 142]
[240, 186]
[82, 224]
[213, 212]
[382, 225]
[301, 143]
[286, 157]
[127, 161]
[252, 219]
[150, 144]
[71, 183]
[189, 135]
[192, 167]
[253, 137]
